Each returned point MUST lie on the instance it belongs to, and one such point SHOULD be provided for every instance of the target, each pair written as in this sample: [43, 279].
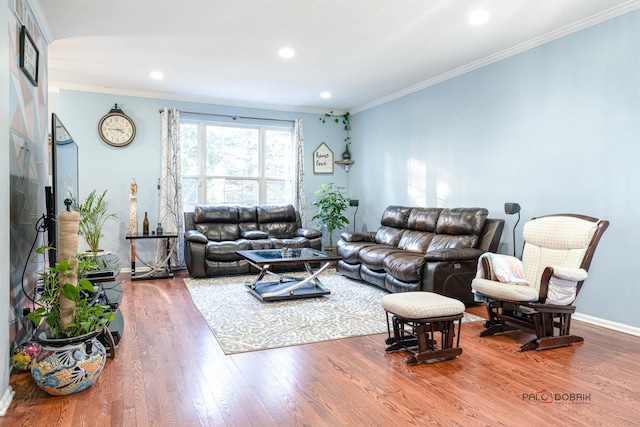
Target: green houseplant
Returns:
[93, 215]
[72, 357]
[345, 119]
[332, 204]
[66, 280]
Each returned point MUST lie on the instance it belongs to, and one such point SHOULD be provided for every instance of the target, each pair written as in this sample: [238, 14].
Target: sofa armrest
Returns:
[453, 254]
[194, 252]
[195, 236]
[358, 237]
[309, 233]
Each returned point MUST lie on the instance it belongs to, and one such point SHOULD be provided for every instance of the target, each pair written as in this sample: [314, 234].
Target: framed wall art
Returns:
[29, 56]
[323, 159]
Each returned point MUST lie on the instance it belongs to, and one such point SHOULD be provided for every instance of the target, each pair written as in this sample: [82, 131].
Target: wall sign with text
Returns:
[323, 159]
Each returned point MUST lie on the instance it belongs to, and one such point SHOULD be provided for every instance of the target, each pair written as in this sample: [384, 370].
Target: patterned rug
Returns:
[243, 323]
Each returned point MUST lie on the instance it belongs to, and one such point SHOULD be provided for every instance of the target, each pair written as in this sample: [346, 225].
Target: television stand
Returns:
[112, 336]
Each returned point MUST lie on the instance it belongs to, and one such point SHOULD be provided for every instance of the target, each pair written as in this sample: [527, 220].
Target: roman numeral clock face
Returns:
[117, 129]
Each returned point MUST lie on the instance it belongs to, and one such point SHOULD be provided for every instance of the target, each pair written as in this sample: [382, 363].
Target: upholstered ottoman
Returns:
[418, 317]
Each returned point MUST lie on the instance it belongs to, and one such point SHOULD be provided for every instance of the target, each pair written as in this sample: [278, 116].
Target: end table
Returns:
[162, 269]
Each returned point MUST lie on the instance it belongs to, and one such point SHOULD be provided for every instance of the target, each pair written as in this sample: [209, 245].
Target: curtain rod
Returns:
[233, 117]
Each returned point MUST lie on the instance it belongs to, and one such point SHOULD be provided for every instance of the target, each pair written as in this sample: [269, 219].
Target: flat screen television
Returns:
[64, 179]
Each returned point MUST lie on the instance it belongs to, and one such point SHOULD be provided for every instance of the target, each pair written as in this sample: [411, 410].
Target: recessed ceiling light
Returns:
[156, 75]
[325, 95]
[286, 52]
[478, 17]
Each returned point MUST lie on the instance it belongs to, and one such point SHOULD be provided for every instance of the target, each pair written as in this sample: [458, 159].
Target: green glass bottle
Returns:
[145, 225]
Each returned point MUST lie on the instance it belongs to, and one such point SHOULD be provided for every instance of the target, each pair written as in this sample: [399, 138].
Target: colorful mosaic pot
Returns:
[68, 369]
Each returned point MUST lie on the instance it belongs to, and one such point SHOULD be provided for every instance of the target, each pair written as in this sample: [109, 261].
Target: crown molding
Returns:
[504, 54]
[54, 87]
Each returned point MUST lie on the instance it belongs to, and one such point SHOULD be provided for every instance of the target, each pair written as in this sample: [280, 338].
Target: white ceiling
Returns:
[363, 51]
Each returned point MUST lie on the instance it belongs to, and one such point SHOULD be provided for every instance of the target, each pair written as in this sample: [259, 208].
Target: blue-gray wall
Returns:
[555, 129]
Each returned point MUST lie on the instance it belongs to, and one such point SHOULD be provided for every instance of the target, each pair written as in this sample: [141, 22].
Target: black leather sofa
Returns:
[213, 234]
[428, 249]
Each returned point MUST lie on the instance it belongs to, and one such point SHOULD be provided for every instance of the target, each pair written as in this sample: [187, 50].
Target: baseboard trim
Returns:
[6, 400]
[620, 327]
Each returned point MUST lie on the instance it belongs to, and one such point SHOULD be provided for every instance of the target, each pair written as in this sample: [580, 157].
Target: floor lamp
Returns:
[354, 202]
[510, 209]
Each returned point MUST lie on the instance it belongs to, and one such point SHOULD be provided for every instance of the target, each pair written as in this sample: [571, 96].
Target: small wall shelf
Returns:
[345, 163]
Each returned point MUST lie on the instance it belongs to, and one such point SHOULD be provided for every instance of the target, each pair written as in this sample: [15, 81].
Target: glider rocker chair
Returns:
[537, 293]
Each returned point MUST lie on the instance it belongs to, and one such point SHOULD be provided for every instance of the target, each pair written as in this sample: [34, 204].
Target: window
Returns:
[236, 164]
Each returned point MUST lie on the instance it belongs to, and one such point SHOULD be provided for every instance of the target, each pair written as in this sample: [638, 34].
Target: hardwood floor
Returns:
[169, 370]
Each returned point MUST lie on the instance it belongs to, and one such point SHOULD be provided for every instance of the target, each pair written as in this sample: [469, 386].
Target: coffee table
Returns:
[287, 287]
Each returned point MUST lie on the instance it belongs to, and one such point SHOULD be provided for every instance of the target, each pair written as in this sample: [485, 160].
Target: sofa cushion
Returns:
[248, 214]
[443, 241]
[215, 214]
[459, 228]
[219, 232]
[277, 221]
[261, 244]
[389, 236]
[462, 221]
[405, 266]
[226, 251]
[286, 213]
[395, 216]
[415, 241]
[424, 219]
[349, 250]
[254, 234]
[373, 256]
[294, 242]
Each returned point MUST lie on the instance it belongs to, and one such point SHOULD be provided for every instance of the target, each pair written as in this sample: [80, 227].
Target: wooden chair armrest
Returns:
[544, 284]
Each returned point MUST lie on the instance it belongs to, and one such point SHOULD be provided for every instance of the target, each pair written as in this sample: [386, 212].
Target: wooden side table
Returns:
[162, 269]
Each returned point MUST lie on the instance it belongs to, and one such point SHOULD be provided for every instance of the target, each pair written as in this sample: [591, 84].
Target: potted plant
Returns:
[346, 123]
[332, 204]
[58, 287]
[69, 318]
[93, 215]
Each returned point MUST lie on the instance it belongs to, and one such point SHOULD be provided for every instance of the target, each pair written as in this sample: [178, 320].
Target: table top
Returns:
[275, 256]
[170, 235]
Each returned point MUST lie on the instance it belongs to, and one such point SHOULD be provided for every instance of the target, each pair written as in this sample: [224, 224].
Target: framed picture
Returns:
[323, 159]
[29, 56]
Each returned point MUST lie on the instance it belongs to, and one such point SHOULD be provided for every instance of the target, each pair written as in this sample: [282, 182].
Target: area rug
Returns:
[243, 323]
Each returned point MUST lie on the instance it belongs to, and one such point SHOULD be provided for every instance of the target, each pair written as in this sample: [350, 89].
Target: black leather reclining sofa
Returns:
[213, 234]
[427, 249]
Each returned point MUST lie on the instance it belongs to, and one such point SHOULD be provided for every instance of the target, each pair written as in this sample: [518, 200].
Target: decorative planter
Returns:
[68, 365]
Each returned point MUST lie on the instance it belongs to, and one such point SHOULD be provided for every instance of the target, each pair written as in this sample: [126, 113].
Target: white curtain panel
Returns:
[299, 194]
[171, 215]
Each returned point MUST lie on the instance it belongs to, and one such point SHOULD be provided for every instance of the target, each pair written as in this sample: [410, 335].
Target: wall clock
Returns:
[116, 128]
